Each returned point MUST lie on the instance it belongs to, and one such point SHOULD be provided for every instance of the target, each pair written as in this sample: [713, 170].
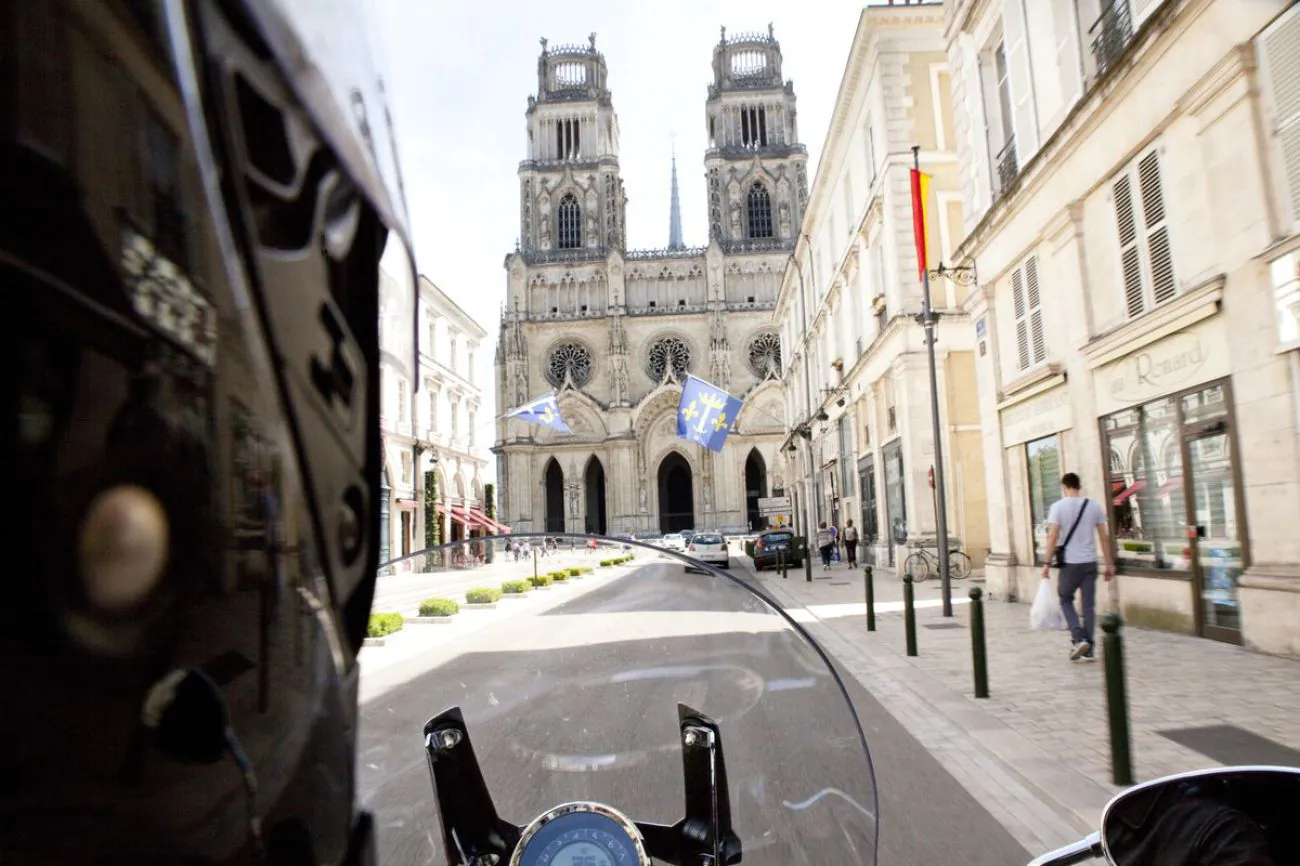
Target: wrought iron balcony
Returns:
[1008, 165]
[1110, 35]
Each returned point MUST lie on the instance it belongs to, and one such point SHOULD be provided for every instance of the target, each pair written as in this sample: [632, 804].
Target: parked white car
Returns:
[673, 541]
[710, 547]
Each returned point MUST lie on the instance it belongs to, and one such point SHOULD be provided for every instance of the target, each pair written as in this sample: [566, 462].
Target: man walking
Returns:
[1085, 525]
[851, 544]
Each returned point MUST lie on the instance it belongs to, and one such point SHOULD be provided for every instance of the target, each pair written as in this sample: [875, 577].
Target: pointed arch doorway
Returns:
[594, 482]
[755, 488]
[676, 494]
[554, 497]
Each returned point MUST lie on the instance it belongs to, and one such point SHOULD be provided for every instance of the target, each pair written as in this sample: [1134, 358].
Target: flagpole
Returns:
[928, 319]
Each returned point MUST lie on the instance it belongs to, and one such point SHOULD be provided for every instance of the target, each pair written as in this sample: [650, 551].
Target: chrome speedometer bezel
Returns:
[624, 823]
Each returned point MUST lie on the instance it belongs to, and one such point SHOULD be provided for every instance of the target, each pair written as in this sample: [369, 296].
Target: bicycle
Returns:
[923, 563]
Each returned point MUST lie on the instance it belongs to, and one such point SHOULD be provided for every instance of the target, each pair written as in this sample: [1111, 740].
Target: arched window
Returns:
[760, 212]
[569, 223]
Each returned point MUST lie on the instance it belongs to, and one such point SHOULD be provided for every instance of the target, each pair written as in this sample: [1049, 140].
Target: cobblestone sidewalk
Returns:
[1036, 752]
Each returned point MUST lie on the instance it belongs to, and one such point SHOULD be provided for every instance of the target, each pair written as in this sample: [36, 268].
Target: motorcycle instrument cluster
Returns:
[581, 834]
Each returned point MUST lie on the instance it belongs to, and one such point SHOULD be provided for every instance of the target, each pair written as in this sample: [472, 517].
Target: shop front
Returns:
[895, 500]
[868, 524]
[1035, 427]
[1177, 516]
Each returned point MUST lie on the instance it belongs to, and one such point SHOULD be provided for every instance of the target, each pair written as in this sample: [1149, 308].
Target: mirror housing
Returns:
[1239, 815]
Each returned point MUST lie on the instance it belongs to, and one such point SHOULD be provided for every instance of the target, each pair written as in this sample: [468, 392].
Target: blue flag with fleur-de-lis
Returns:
[544, 411]
[706, 414]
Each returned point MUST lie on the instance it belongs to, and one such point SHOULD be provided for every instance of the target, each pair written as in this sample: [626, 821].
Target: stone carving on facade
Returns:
[569, 365]
[521, 386]
[801, 178]
[611, 211]
[669, 358]
[715, 205]
[764, 355]
[641, 495]
[527, 207]
[785, 226]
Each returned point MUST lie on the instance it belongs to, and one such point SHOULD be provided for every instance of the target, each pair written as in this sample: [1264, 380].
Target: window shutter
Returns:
[1020, 74]
[1163, 285]
[1022, 320]
[1279, 49]
[1037, 343]
[1065, 22]
[1130, 258]
[972, 103]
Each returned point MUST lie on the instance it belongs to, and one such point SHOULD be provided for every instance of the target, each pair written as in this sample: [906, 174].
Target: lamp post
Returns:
[929, 319]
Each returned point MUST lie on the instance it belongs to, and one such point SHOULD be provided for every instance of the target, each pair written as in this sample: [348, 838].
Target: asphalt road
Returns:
[580, 702]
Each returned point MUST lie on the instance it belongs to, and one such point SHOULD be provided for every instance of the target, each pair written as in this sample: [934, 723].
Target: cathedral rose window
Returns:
[572, 359]
[765, 355]
[666, 353]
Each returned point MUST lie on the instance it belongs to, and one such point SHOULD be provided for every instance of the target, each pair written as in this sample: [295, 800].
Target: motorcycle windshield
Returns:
[575, 690]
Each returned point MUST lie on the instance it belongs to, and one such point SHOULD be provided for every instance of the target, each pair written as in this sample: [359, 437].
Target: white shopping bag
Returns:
[1045, 613]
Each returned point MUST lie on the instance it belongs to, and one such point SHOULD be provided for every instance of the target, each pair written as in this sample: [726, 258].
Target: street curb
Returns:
[1023, 787]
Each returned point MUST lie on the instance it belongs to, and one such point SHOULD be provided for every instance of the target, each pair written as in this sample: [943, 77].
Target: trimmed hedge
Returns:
[559, 576]
[438, 607]
[574, 571]
[482, 595]
[384, 623]
[516, 587]
[541, 580]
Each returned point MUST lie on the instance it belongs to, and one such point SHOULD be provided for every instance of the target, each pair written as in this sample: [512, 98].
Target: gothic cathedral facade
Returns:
[614, 332]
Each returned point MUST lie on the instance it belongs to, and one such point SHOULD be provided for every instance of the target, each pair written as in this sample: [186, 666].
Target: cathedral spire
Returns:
[675, 217]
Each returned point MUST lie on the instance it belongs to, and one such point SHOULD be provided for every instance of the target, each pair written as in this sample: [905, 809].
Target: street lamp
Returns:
[929, 319]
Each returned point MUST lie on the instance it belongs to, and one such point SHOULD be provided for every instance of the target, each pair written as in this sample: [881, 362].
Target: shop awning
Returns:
[490, 524]
[1134, 488]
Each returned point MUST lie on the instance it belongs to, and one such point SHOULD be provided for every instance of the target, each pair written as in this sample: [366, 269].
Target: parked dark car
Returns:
[771, 542]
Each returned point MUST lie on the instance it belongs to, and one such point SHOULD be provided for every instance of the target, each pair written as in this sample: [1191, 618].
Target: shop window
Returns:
[1043, 462]
[1146, 263]
[1146, 446]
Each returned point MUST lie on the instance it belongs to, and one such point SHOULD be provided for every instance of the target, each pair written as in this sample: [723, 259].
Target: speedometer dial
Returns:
[581, 834]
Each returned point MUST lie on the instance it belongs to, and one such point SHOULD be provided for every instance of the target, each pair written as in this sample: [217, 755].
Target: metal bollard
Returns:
[807, 560]
[909, 614]
[534, 567]
[869, 581]
[783, 563]
[1121, 755]
[978, 652]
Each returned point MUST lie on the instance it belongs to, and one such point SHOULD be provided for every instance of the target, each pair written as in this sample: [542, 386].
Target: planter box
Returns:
[488, 606]
[506, 595]
[375, 641]
[430, 620]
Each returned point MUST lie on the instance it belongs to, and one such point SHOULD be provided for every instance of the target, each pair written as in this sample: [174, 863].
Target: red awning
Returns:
[490, 524]
[1138, 485]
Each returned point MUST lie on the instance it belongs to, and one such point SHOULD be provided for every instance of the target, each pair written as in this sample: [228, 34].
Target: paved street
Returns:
[1037, 751]
[576, 698]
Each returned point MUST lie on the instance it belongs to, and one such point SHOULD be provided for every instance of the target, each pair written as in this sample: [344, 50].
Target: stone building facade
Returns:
[1132, 204]
[615, 331]
[864, 400]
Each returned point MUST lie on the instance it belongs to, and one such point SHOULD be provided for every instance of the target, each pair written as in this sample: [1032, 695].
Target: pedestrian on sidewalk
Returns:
[1086, 527]
[826, 544]
[851, 543]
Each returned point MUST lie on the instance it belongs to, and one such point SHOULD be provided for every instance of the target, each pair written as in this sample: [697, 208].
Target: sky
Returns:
[459, 74]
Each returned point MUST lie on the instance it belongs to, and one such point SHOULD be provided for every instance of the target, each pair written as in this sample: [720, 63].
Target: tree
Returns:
[490, 500]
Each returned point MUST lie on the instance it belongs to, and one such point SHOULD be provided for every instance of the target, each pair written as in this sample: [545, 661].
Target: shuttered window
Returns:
[1031, 344]
[1279, 49]
[1146, 261]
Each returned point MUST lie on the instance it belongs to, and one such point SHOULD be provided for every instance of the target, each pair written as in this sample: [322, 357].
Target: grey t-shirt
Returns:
[1083, 545]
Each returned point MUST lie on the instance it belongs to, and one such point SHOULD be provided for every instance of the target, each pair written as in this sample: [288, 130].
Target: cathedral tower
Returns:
[572, 202]
[757, 169]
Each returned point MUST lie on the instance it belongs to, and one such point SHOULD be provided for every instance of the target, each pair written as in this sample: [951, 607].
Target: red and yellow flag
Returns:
[920, 218]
